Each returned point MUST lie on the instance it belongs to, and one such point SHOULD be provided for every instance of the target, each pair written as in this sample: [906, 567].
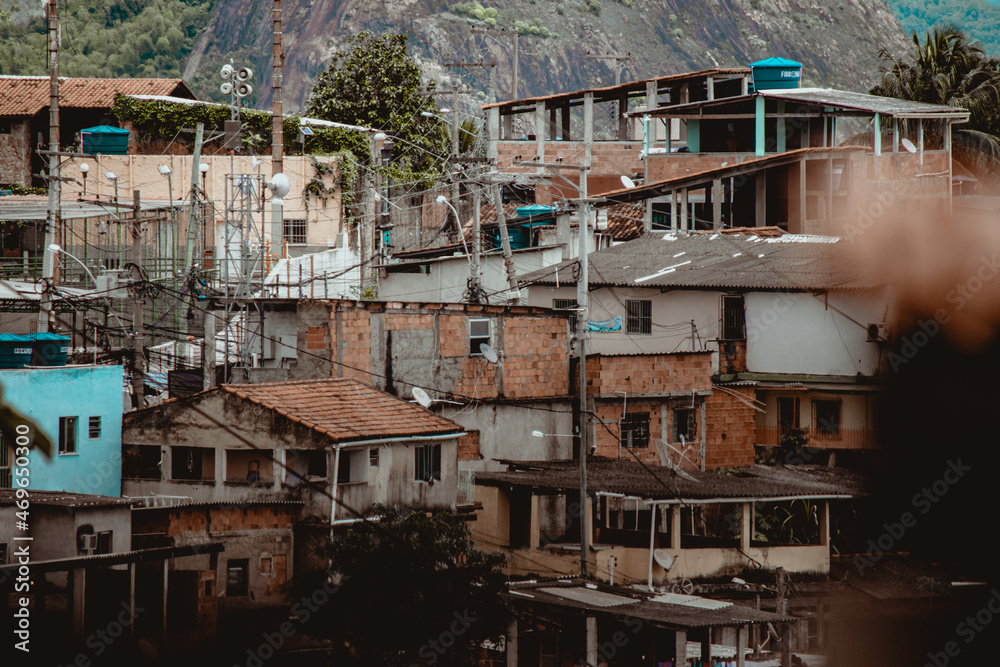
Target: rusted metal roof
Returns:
[344, 410]
[27, 95]
[714, 261]
[661, 483]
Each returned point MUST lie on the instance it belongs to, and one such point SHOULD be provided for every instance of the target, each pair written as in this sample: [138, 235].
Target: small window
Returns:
[564, 304]
[317, 464]
[635, 430]
[479, 333]
[639, 316]
[683, 424]
[788, 413]
[67, 435]
[95, 428]
[428, 463]
[208, 588]
[373, 458]
[236, 577]
[733, 318]
[827, 417]
[104, 541]
[266, 564]
[5, 125]
[293, 230]
[344, 468]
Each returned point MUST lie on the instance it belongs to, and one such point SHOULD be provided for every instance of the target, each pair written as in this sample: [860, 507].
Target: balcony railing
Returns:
[846, 438]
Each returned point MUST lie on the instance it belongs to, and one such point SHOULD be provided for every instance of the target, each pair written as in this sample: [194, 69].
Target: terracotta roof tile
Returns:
[27, 95]
[344, 410]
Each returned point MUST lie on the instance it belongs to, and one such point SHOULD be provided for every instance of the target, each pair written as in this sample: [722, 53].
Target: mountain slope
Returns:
[837, 43]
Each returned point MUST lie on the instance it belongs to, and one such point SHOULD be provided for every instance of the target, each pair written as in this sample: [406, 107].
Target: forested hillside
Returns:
[978, 19]
[104, 38]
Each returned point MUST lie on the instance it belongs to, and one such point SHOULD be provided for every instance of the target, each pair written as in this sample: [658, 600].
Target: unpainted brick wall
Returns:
[607, 439]
[639, 374]
[468, 447]
[730, 437]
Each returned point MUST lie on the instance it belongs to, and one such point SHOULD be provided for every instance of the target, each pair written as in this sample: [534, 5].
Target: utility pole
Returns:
[514, 75]
[192, 216]
[475, 286]
[277, 137]
[455, 187]
[138, 334]
[52, 220]
[583, 322]
[508, 258]
[619, 62]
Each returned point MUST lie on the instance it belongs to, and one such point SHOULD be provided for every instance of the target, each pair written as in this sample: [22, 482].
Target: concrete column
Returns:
[534, 523]
[680, 648]
[591, 641]
[623, 133]
[746, 526]
[588, 127]
[553, 129]
[824, 524]
[741, 646]
[675, 527]
[710, 87]
[760, 200]
[877, 131]
[803, 185]
[131, 600]
[647, 216]
[77, 603]
[541, 123]
[716, 204]
[759, 139]
[706, 647]
[786, 645]
[507, 122]
[684, 210]
[511, 649]
[780, 124]
[493, 132]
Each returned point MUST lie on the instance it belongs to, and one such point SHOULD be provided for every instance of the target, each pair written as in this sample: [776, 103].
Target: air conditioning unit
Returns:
[88, 543]
[877, 332]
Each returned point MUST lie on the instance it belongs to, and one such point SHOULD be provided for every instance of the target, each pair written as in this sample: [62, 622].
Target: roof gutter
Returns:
[417, 438]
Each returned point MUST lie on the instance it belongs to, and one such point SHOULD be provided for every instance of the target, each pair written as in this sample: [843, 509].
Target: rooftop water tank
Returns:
[104, 139]
[15, 350]
[48, 349]
[775, 74]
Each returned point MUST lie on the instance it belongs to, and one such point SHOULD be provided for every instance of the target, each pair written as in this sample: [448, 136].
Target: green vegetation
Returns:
[416, 572]
[109, 38]
[979, 19]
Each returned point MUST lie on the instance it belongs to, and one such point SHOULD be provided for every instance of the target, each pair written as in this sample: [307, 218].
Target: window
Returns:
[683, 424]
[638, 317]
[635, 429]
[827, 417]
[192, 463]
[5, 125]
[208, 588]
[104, 542]
[67, 435]
[236, 576]
[141, 461]
[428, 463]
[564, 304]
[733, 318]
[479, 333]
[344, 468]
[788, 414]
[95, 428]
[293, 230]
[373, 458]
[266, 564]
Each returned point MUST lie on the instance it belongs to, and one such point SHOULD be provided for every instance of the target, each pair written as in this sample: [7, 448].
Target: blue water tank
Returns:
[775, 74]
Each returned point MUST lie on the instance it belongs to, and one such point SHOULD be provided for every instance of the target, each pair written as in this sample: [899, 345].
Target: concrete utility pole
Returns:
[52, 221]
[192, 216]
[508, 257]
[619, 62]
[138, 335]
[277, 136]
[583, 322]
[476, 237]
[516, 72]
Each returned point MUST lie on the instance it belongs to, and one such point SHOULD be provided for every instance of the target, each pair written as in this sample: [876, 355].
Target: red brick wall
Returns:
[468, 447]
[638, 374]
[730, 437]
[536, 357]
[356, 344]
[607, 439]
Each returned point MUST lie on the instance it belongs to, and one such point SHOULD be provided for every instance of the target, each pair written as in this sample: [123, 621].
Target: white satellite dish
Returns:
[421, 397]
[663, 559]
[628, 182]
[279, 185]
[908, 145]
[489, 353]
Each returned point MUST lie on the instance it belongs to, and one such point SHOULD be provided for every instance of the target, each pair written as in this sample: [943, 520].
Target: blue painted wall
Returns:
[46, 394]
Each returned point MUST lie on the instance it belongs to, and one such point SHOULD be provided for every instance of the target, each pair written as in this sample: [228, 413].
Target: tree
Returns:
[412, 590]
[375, 83]
[948, 68]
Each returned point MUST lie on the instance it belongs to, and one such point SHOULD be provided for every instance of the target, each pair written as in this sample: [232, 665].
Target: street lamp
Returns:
[203, 168]
[84, 170]
[458, 223]
[168, 172]
[428, 114]
[55, 249]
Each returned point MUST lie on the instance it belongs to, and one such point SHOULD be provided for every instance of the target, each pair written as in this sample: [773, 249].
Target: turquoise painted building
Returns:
[80, 409]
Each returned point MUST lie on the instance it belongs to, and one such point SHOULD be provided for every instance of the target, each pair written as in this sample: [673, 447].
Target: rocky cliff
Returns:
[837, 42]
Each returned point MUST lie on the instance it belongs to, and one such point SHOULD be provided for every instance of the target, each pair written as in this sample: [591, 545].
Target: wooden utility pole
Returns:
[138, 334]
[52, 221]
[619, 62]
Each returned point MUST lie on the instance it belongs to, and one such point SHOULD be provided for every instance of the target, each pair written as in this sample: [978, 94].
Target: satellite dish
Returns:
[628, 182]
[279, 185]
[663, 559]
[421, 397]
[489, 353]
[908, 145]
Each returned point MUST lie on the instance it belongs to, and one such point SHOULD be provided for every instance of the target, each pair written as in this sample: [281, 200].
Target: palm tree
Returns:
[948, 68]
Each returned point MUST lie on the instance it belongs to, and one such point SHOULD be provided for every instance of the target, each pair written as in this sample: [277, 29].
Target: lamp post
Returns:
[55, 249]
[84, 170]
[166, 171]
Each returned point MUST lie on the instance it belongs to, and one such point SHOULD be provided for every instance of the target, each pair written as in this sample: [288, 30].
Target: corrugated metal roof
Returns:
[36, 207]
[712, 261]
[658, 609]
[65, 499]
[27, 95]
[344, 410]
[661, 483]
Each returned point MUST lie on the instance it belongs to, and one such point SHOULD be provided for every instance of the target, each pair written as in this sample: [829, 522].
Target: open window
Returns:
[683, 424]
[635, 430]
[141, 461]
[304, 464]
[826, 420]
[237, 581]
[427, 463]
[250, 466]
[67, 435]
[192, 463]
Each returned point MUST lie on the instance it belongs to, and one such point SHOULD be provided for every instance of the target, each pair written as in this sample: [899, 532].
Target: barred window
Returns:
[638, 316]
[635, 429]
[293, 230]
[733, 318]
